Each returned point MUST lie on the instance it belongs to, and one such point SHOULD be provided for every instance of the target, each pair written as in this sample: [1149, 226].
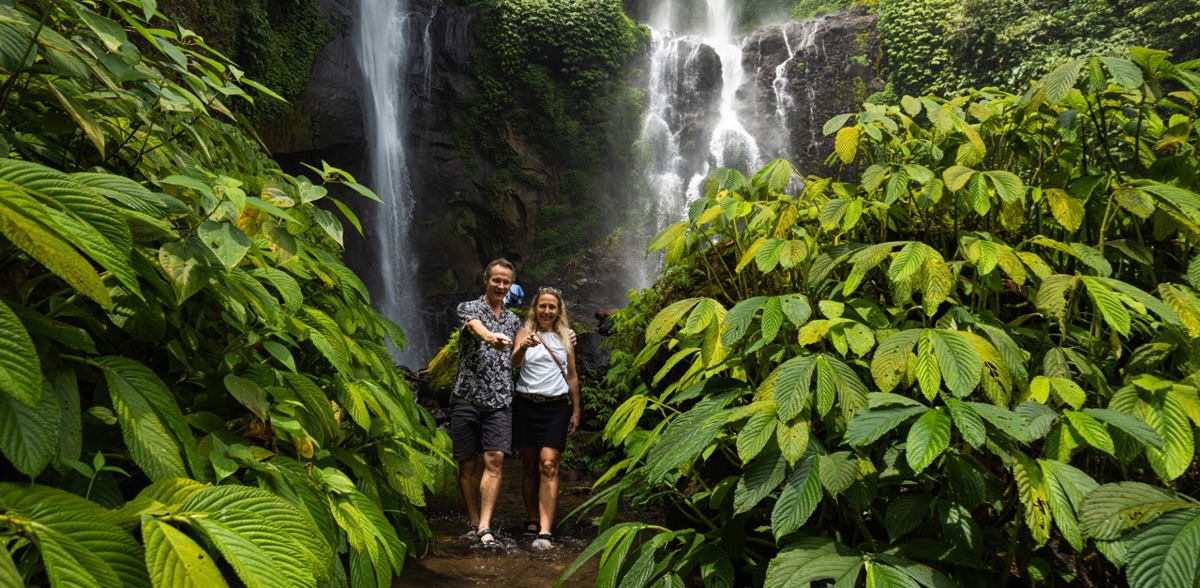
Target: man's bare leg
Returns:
[489, 487]
[469, 489]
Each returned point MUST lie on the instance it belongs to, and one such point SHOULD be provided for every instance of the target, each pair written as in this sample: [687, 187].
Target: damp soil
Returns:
[453, 560]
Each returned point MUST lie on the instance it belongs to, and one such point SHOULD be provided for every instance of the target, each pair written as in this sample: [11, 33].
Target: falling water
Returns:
[731, 145]
[673, 173]
[383, 52]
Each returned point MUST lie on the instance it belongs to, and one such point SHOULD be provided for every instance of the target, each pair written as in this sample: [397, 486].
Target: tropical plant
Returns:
[174, 305]
[976, 363]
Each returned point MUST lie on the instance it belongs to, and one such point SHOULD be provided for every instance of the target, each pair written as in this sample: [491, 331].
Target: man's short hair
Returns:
[502, 262]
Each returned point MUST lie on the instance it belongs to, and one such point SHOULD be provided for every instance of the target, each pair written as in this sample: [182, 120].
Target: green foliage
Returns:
[934, 46]
[810, 8]
[175, 305]
[275, 42]
[978, 358]
[550, 74]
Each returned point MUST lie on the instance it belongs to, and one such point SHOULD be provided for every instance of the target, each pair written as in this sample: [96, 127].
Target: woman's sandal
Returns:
[531, 528]
[489, 544]
[544, 541]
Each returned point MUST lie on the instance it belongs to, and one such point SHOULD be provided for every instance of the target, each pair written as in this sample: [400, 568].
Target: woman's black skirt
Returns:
[540, 424]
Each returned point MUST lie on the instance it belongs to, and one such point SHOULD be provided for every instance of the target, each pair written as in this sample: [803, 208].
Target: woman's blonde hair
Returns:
[562, 324]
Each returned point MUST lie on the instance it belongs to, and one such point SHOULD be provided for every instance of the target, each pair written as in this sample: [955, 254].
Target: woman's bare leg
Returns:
[548, 489]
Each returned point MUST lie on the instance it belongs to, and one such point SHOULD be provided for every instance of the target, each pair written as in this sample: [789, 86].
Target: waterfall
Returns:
[384, 47]
[684, 137]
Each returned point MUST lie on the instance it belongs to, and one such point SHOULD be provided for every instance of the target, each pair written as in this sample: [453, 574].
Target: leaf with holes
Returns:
[891, 358]
[1067, 209]
[174, 559]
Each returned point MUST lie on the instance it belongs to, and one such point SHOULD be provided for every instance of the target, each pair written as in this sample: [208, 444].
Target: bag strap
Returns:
[555, 358]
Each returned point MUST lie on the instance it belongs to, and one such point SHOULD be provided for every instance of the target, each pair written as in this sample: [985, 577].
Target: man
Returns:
[480, 408]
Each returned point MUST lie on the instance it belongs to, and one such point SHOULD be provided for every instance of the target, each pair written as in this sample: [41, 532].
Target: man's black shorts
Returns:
[475, 429]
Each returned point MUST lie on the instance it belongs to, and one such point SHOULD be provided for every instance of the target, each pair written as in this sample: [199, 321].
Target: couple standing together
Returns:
[488, 416]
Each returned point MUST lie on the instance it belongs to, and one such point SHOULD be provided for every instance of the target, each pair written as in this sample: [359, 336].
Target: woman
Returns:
[542, 415]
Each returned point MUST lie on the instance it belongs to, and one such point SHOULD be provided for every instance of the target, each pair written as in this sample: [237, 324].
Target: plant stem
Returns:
[12, 80]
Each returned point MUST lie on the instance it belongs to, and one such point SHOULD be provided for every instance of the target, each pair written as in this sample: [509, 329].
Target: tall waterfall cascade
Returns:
[385, 52]
[703, 111]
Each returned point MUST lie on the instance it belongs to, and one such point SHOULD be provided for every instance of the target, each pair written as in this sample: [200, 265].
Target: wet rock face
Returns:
[698, 88]
[830, 70]
[464, 215]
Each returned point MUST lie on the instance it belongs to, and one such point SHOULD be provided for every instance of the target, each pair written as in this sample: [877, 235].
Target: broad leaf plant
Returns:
[974, 364]
[194, 389]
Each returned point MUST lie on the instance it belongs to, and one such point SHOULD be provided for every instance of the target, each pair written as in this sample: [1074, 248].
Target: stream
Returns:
[453, 561]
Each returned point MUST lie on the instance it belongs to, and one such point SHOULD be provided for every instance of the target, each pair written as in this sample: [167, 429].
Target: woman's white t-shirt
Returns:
[539, 374]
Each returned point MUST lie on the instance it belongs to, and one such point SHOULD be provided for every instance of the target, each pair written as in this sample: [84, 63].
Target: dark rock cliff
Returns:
[831, 71]
[464, 214]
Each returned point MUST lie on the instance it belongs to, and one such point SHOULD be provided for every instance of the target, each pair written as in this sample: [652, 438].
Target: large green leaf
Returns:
[760, 478]
[968, 422]
[739, 318]
[958, 360]
[753, 437]
[283, 517]
[1128, 424]
[151, 420]
[25, 223]
[838, 471]
[1110, 307]
[908, 261]
[664, 322]
[29, 436]
[1109, 510]
[20, 367]
[1166, 552]
[687, 436]
[1065, 488]
[905, 513]
[227, 242]
[261, 554]
[80, 546]
[812, 559]
[927, 439]
[872, 423]
[87, 220]
[790, 385]
[891, 358]
[799, 498]
[174, 559]
[187, 269]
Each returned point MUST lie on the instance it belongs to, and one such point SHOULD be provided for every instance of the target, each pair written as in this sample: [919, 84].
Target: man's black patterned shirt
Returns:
[484, 373]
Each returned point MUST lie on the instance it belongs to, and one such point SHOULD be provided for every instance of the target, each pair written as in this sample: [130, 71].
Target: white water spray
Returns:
[383, 52]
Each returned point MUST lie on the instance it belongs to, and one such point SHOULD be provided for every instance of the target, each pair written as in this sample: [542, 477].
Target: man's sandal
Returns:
[472, 531]
[531, 528]
[486, 544]
[544, 541]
